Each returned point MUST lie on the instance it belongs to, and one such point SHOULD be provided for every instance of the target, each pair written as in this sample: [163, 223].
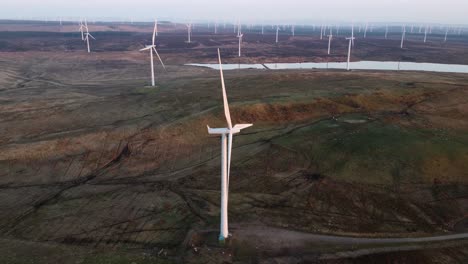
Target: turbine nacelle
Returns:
[225, 131]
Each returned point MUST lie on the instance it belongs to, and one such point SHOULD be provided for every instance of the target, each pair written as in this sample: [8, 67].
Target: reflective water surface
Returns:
[361, 65]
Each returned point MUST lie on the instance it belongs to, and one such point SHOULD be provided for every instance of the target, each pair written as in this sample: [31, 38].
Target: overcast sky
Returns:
[431, 11]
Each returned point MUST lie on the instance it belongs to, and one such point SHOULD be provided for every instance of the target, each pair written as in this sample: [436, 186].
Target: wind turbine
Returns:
[365, 30]
[81, 29]
[152, 48]
[240, 42]
[226, 151]
[446, 33]
[87, 36]
[425, 35]
[329, 40]
[189, 32]
[403, 36]
[351, 39]
[321, 32]
[352, 34]
[277, 32]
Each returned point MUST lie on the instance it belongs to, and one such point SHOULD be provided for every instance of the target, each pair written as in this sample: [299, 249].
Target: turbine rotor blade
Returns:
[225, 101]
[159, 57]
[147, 48]
[154, 31]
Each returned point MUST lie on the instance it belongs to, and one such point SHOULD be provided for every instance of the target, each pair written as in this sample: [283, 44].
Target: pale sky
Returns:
[293, 11]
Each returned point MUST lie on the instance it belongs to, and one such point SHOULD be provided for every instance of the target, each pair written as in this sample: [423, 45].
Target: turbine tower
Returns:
[152, 48]
[329, 40]
[189, 32]
[425, 35]
[226, 151]
[277, 32]
[446, 33]
[240, 43]
[351, 39]
[403, 36]
[365, 30]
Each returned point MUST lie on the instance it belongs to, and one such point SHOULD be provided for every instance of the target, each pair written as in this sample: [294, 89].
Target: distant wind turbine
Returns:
[277, 33]
[226, 154]
[446, 33]
[365, 30]
[425, 35]
[330, 40]
[403, 36]
[189, 32]
[81, 29]
[321, 32]
[351, 39]
[152, 48]
[240, 43]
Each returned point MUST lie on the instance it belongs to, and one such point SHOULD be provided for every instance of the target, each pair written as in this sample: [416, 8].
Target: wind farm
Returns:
[106, 159]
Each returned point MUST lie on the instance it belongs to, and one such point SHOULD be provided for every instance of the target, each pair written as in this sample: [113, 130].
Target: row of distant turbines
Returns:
[240, 35]
[85, 35]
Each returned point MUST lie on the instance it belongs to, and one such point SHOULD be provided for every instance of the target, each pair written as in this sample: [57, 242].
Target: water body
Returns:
[360, 65]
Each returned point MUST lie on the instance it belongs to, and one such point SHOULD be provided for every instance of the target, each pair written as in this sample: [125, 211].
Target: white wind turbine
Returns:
[365, 30]
[446, 33]
[87, 36]
[152, 48]
[330, 40]
[277, 33]
[189, 32]
[226, 151]
[351, 39]
[240, 42]
[352, 34]
[321, 32]
[403, 36]
[81, 29]
[425, 35]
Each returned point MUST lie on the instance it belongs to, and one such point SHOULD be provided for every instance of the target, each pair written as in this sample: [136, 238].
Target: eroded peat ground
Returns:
[95, 167]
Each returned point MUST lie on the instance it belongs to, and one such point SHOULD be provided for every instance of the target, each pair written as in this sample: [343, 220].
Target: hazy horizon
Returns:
[293, 11]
